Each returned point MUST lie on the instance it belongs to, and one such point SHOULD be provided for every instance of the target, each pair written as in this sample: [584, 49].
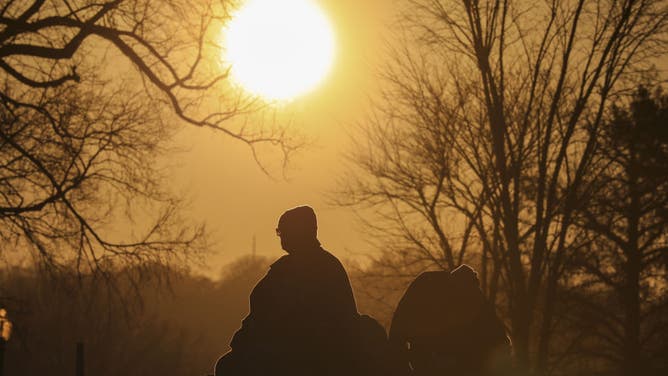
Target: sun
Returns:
[279, 49]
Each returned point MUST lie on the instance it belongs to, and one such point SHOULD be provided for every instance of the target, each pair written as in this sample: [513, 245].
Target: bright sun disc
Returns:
[279, 49]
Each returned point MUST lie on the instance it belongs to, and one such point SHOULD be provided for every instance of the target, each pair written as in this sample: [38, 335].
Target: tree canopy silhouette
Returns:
[480, 148]
[89, 95]
[623, 273]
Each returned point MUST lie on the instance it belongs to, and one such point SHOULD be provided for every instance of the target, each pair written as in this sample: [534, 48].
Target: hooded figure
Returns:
[301, 313]
[443, 325]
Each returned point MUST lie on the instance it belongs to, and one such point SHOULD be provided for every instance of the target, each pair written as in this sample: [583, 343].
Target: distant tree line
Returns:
[161, 322]
[174, 326]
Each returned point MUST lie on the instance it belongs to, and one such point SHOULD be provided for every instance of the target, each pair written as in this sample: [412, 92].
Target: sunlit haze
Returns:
[333, 187]
[279, 49]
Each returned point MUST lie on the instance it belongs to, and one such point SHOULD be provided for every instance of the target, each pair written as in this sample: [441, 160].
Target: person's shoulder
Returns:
[283, 262]
[328, 257]
[325, 253]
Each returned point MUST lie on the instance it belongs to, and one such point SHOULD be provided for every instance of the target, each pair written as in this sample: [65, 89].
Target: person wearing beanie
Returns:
[301, 312]
[443, 325]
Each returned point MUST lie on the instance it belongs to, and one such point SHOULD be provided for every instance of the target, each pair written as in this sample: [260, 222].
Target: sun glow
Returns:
[279, 49]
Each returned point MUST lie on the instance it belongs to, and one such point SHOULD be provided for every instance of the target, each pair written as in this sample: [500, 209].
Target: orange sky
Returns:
[237, 201]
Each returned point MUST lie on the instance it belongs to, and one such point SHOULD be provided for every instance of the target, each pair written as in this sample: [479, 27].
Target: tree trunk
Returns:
[521, 322]
[484, 277]
[631, 300]
[632, 363]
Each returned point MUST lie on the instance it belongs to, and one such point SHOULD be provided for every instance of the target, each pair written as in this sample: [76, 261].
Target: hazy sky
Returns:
[238, 201]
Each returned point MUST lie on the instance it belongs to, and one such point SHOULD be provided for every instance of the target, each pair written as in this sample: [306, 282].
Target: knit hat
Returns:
[300, 220]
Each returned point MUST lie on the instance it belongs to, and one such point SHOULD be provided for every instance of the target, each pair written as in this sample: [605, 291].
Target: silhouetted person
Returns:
[443, 325]
[302, 313]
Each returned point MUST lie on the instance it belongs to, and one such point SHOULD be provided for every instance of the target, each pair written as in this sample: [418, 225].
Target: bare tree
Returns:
[425, 172]
[172, 44]
[531, 83]
[79, 135]
[77, 165]
[627, 218]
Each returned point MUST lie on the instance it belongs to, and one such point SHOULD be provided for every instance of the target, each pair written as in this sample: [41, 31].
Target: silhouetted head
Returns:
[465, 277]
[298, 229]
